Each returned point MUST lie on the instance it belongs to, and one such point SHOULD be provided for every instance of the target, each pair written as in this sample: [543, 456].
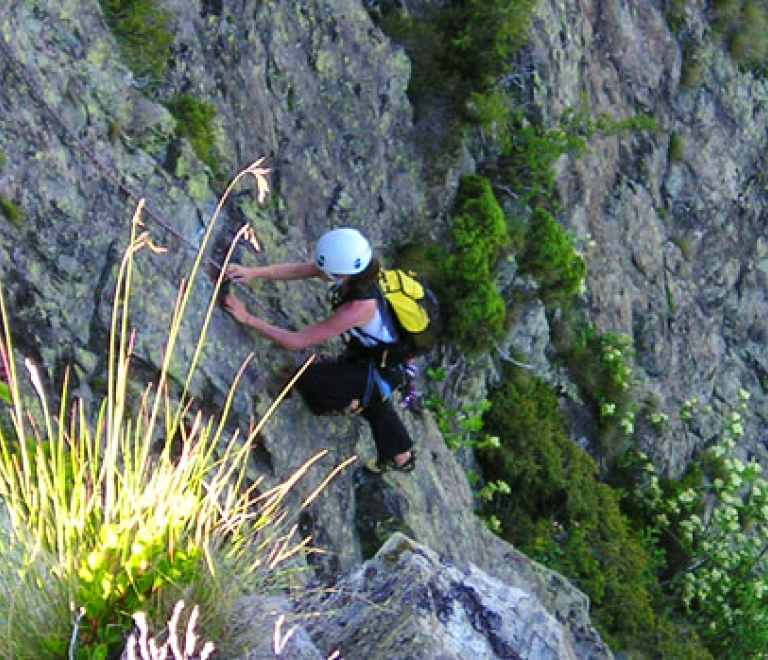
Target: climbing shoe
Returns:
[376, 466]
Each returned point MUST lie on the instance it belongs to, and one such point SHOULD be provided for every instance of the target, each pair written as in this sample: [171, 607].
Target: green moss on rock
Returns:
[12, 211]
[195, 122]
[139, 26]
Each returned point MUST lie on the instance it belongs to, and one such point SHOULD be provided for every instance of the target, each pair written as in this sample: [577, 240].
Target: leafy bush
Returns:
[601, 365]
[528, 157]
[560, 513]
[744, 26]
[195, 122]
[139, 26]
[476, 310]
[713, 526]
[483, 35]
[550, 257]
[459, 49]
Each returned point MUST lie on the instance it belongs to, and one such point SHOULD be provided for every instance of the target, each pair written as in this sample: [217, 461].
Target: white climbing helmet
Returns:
[343, 251]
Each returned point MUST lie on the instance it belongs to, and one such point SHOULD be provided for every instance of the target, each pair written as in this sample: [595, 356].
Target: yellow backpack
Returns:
[415, 309]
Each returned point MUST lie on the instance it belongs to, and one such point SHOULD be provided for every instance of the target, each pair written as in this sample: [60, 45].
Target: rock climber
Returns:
[364, 377]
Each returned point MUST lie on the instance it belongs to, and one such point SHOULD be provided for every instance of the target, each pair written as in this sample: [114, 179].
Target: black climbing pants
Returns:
[332, 386]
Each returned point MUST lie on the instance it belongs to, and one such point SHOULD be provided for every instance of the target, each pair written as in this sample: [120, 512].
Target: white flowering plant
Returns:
[713, 526]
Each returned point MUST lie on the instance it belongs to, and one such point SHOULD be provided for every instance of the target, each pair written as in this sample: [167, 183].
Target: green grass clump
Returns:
[129, 512]
[12, 211]
[195, 122]
[559, 512]
[551, 258]
[139, 26]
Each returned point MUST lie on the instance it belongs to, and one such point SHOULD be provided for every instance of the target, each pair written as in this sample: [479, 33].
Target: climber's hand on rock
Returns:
[236, 308]
[237, 273]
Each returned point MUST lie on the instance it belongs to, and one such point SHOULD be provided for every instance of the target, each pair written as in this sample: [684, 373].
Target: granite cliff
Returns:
[674, 243]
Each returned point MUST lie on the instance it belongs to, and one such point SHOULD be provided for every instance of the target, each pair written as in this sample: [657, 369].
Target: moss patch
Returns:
[139, 26]
[12, 211]
[195, 122]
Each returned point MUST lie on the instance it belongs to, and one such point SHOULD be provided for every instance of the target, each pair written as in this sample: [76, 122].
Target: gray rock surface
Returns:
[678, 234]
[408, 603]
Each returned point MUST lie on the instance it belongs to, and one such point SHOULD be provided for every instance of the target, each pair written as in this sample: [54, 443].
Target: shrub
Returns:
[601, 365]
[693, 67]
[476, 310]
[560, 513]
[743, 24]
[713, 525]
[550, 257]
[139, 26]
[483, 35]
[2, 159]
[460, 48]
[195, 122]
[528, 157]
[676, 149]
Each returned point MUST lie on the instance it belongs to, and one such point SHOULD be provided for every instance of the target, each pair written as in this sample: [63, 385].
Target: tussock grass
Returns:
[96, 526]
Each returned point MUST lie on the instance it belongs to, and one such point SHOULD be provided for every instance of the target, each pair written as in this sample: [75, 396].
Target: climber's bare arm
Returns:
[288, 271]
[352, 314]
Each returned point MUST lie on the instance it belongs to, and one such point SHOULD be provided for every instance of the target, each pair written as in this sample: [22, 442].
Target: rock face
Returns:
[419, 606]
[678, 258]
[676, 217]
[320, 91]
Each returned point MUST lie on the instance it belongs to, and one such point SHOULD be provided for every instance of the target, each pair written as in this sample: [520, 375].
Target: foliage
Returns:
[483, 35]
[530, 151]
[561, 514]
[600, 363]
[462, 275]
[693, 67]
[476, 311]
[713, 524]
[2, 159]
[743, 24]
[139, 26]
[96, 525]
[528, 157]
[195, 122]
[461, 48]
[551, 258]
[676, 150]
[674, 10]
[12, 211]
[460, 428]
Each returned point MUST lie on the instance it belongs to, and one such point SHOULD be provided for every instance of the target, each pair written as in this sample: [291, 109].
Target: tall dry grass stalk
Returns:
[95, 525]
